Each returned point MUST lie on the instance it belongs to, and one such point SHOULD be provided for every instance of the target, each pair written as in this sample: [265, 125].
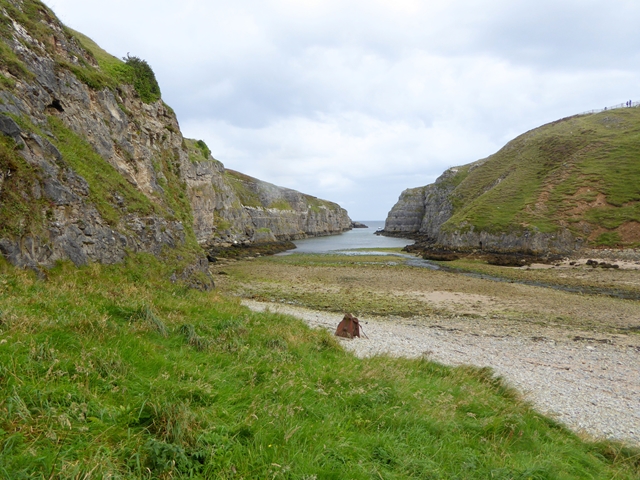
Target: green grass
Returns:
[316, 204]
[221, 223]
[114, 71]
[140, 378]
[10, 62]
[21, 213]
[204, 149]
[106, 61]
[31, 14]
[111, 71]
[198, 150]
[242, 186]
[104, 180]
[280, 204]
[550, 178]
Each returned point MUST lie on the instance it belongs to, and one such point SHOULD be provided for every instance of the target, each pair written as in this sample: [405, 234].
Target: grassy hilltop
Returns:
[580, 173]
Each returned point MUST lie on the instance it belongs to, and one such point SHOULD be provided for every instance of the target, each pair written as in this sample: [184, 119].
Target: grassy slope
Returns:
[577, 172]
[140, 378]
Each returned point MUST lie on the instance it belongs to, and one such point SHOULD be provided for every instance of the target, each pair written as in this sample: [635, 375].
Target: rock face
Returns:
[422, 212]
[230, 207]
[358, 225]
[407, 214]
[130, 145]
[89, 171]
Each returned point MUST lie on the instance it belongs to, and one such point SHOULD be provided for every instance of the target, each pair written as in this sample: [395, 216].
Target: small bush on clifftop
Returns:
[142, 78]
[206, 153]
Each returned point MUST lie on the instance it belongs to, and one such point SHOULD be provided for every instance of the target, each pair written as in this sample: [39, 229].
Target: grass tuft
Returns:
[192, 338]
[146, 315]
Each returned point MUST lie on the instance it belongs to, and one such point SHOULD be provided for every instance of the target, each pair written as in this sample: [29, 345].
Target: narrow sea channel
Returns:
[358, 238]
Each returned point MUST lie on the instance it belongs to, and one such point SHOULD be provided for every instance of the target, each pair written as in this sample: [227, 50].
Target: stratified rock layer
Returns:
[162, 199]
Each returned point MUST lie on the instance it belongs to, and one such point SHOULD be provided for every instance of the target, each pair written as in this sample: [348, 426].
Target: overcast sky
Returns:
[355, 100]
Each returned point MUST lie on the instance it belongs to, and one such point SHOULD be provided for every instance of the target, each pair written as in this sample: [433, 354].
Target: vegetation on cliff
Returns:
[578, 173]
[20, 212]
[34, 16]
[46, 162]
[256, 193]
[37, 22]
[112, 71]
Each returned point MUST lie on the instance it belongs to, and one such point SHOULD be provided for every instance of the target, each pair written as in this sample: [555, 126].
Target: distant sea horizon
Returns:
[355, 238]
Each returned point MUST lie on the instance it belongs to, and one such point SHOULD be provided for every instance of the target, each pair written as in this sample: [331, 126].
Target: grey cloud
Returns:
[564, 35]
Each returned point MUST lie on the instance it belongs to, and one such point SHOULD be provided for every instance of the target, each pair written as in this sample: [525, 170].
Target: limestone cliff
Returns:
[230, 208]
[93, 164]
[424, 209]
[407, 214]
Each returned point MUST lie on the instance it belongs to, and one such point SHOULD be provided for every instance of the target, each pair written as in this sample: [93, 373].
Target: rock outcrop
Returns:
[90, 169]
[421, 213]
[423, 210]
[358, 225]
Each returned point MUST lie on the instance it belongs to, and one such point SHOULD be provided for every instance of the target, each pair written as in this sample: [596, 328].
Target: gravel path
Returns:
[588, 382]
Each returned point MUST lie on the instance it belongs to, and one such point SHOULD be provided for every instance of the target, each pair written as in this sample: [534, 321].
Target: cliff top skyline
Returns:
[356, 101]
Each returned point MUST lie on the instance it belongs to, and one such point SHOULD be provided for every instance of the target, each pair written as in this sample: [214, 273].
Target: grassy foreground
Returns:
[112, 372]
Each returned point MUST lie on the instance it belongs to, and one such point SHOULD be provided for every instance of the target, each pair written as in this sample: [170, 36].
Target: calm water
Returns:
[356, 238]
